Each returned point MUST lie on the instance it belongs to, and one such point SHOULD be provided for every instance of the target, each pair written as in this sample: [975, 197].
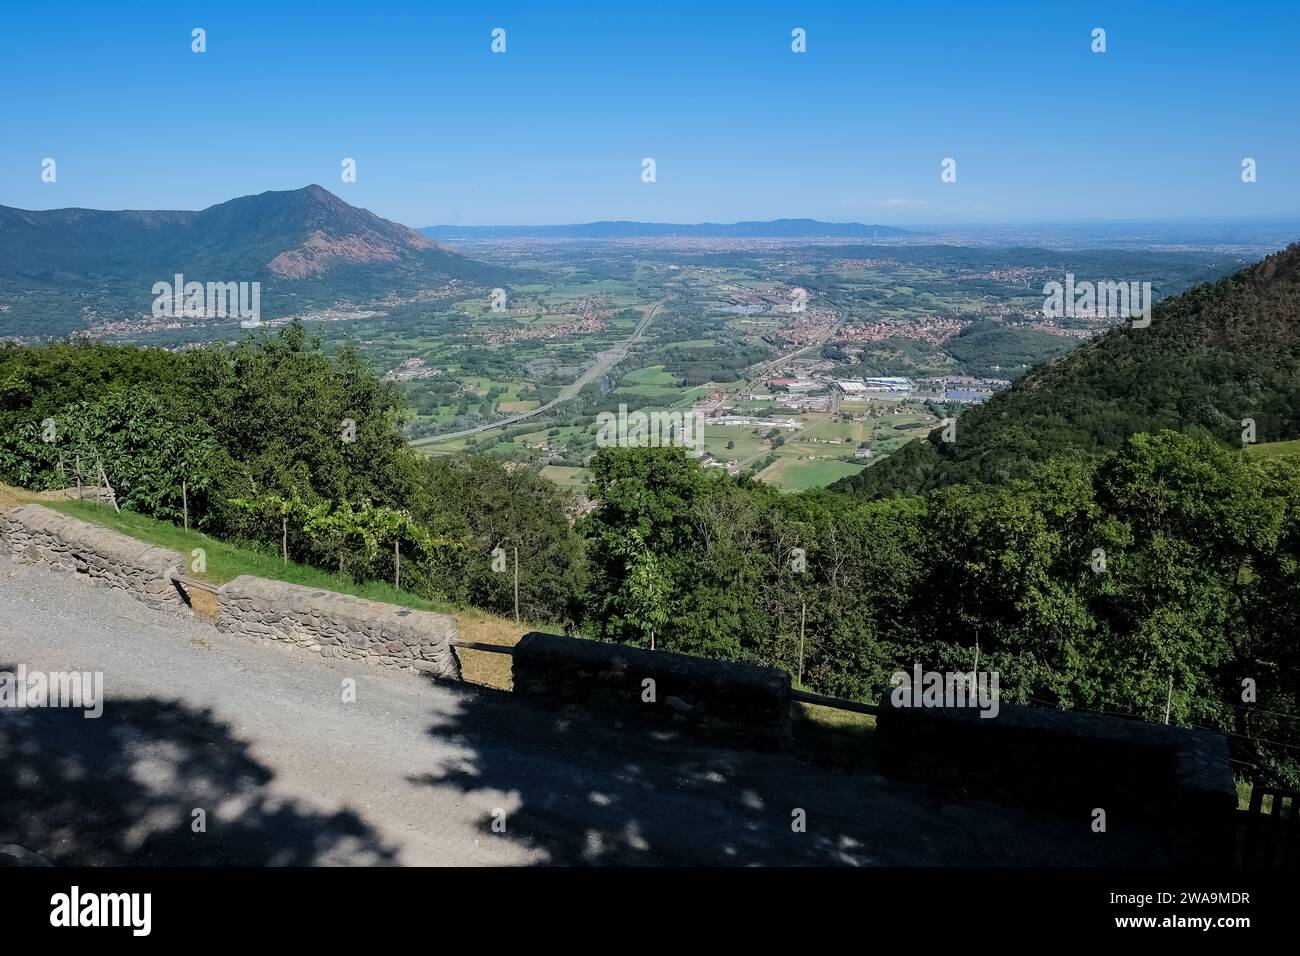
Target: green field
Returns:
[747, 444]
[1274, 449]
[799, 474]
[567, 477]
[514, 408]
[852, 432]
[648, 381]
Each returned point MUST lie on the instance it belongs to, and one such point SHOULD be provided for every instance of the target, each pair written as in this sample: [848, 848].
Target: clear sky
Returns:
[740, 127]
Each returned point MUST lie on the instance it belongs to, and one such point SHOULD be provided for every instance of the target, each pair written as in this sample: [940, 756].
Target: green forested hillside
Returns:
[1216, 355]
[306, 247]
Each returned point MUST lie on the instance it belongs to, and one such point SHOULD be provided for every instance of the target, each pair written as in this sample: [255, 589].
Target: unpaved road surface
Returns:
[257, 743]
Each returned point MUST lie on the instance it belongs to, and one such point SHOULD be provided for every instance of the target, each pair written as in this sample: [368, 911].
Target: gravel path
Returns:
[286, 772]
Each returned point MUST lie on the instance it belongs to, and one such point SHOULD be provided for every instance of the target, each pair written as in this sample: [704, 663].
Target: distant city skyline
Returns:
[555, 129]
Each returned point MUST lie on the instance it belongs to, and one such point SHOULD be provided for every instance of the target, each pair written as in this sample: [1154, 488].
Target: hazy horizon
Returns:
[918, 226]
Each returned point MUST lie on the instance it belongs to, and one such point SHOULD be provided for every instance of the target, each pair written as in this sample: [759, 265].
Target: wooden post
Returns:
[516, 584]
[803, 608]
[185, 502]
[284, 539]
[1169, 699]
[103, 476]
[397, 560]
[80, 496]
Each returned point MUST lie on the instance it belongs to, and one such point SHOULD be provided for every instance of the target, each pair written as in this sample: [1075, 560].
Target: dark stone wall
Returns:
[736, 704]
[1173, 782]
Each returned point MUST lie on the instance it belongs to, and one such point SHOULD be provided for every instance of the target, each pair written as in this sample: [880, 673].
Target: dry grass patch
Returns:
[484, 667]
[11, 497]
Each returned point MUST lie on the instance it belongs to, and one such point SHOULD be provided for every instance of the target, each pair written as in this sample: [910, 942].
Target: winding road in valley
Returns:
[605, 361]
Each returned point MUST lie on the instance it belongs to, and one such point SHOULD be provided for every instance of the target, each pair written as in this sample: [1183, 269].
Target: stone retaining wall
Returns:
[328, 623]
[39, 535]
[1174, 782]
[729, 703]
[339, 625]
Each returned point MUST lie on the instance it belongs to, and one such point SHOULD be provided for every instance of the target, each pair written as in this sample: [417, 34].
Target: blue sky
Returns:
[740, 127]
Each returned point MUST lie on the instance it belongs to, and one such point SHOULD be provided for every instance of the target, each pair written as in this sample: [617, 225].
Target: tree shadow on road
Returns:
[598, 791]
[584, 791]
[121, 790]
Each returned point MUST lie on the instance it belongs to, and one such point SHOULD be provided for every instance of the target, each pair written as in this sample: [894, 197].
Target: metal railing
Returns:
[801, 696]
[478, 646]
[1272, 837]
[190, 583]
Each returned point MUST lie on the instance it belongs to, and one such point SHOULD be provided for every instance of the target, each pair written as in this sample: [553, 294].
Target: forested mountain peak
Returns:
[305, 246]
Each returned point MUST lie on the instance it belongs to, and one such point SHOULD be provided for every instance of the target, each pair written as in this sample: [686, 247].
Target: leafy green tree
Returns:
[295, 420]
[645, 497]
[148, 450]
[648, 590]
[482, 503]
[287, 513]
[338, 529]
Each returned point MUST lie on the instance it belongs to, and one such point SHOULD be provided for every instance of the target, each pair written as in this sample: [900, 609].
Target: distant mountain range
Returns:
[306, 247]
[625, 229]
[1214, 359]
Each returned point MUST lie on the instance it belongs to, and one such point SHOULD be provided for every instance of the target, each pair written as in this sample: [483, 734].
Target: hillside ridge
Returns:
[1216, 359]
